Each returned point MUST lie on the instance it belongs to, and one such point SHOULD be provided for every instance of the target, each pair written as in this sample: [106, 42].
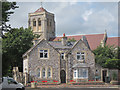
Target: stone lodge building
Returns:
[56, 58]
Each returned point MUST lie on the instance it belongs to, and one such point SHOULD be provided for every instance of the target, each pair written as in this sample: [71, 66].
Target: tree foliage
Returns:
[113, 63]
[15, 44]
[104, 53]
[7, 10]
[71, 40]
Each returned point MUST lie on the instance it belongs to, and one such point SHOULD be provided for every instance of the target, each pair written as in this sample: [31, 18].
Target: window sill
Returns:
[44, 58]
[82, 78]
[80, 60]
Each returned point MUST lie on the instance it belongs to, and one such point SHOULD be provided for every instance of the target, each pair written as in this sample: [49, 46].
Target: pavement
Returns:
[57, 87]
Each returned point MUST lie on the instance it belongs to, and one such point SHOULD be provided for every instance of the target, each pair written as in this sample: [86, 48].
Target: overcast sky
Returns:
[73, 18]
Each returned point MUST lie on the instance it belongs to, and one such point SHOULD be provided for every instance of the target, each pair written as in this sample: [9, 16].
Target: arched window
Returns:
[38, 72]
[49, 72]
[43, 73]
[34, 22]
[39, 22]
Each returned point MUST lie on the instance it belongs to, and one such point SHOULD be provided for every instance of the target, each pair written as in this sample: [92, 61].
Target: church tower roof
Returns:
[41, 9]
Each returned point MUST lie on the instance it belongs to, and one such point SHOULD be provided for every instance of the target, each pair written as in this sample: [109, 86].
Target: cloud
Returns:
[87, 14]
[73, 17]
[74, 2]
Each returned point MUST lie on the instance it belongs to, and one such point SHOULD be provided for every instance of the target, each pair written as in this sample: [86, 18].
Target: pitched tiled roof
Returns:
[94, 40]
[41, 9]
[58, 44]
[113, 41]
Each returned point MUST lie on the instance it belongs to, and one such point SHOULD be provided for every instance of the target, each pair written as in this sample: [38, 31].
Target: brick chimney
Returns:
[64, 40]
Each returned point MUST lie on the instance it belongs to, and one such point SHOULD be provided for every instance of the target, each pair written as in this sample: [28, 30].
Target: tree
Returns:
[71, 40]
[104, 53]
[15, 44]
[113, 63]
[7, 8]
[118, 53]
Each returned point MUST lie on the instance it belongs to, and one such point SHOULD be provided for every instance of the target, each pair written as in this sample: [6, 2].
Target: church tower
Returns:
[42, 23]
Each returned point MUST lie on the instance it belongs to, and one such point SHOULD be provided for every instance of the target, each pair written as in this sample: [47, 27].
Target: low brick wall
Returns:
[48, 83]
[89, 83]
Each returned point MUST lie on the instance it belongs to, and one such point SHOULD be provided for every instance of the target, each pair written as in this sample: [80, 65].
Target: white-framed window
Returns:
[62, 56]
[43, 73]
[75, 73]
[38, 72]
[49, 72]
[80, 56]
[81, 73]
[84, 73]
[43, 53]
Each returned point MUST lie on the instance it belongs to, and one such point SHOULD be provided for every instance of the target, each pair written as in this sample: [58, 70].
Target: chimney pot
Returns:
[63, 34]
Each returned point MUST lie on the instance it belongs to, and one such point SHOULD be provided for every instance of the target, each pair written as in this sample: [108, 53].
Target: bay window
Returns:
[81, 73]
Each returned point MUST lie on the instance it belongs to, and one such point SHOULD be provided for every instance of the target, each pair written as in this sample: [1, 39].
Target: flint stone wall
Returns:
[53, 61]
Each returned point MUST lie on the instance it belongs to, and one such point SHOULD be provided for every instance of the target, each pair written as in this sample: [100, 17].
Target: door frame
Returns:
[105, 69]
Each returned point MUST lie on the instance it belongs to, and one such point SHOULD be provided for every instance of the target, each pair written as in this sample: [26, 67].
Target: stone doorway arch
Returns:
[63, 76]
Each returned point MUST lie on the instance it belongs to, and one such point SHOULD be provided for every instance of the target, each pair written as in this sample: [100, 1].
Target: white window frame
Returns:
[81, 55]
[75, 73]
[81, 73]
[43, 51]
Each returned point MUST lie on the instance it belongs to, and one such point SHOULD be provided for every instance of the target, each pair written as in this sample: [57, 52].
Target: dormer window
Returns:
[80, 56]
